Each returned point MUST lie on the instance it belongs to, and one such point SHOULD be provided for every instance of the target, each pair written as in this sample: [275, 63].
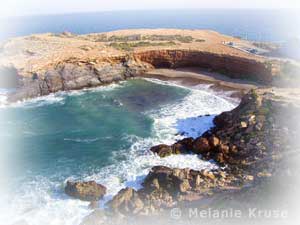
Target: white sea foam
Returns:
[43, 201]
[53, 98]
[82, 140]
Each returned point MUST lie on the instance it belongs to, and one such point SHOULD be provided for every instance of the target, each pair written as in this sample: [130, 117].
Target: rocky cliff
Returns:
[232, 66]
[46, 63]
[252, 144]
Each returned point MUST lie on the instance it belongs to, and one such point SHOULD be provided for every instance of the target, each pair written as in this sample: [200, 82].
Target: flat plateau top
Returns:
[39, 51]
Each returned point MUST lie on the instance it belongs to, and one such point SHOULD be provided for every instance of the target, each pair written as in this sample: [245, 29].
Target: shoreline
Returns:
[193, 76]
[237, 140]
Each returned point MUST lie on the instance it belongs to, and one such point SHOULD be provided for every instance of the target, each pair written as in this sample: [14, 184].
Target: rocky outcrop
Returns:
[180, 147]
[86, 191]
[245, 136]
[73, 75]
[164, 187]
[249, 143]
[46, 63]
[127, 201]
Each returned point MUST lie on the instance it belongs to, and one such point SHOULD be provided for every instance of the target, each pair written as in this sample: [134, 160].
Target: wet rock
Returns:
[201, 145]
[159, 176]
[86, 191]
[126, 201]
[162, 150]
[187, 143]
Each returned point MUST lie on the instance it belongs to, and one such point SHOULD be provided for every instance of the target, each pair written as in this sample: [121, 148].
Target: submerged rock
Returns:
[86, 191]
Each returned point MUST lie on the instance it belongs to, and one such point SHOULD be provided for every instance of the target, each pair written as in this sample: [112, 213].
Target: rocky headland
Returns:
[45, 63]
[251, 144]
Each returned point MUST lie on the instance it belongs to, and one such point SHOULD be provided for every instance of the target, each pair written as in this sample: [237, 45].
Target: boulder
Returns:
[183, 146]
[86, 191]
[201, 145]
[163, 178]
[162, 150]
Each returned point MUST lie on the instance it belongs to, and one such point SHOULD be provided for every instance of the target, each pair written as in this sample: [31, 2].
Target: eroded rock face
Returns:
[74, 75]
[86, 191]
[127, 201]
[233, 66]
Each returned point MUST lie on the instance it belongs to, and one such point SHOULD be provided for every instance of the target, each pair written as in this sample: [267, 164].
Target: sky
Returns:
[33, 7]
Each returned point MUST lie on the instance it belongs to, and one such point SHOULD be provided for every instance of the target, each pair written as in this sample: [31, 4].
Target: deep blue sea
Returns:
[260, 25]
[105, 133]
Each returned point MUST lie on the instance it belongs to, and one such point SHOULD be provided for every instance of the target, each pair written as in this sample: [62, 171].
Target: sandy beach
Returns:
[194, 76]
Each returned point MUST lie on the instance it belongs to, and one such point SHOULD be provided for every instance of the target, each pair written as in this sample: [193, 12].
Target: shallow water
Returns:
[101, 134]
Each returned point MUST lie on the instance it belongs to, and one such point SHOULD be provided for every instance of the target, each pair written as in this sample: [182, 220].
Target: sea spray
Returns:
[128, 124]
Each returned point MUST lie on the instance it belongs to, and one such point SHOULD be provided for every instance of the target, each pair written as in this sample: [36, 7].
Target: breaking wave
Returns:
[42, 200]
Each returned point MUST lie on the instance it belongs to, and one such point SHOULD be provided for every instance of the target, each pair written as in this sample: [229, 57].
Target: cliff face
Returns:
[46, 63]
[74, 74]
[233, 66]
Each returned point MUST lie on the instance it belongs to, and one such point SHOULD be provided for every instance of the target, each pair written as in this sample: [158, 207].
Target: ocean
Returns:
[259, 25]
[102, 134]
[105, 133]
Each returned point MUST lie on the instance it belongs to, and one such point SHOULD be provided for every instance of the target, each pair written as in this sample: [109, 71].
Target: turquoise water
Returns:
[102, 134]
[81, 132]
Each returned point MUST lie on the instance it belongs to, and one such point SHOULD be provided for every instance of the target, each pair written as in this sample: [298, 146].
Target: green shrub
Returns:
[127, 46]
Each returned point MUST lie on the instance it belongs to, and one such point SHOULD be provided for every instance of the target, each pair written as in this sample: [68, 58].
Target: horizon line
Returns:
[141, 10]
